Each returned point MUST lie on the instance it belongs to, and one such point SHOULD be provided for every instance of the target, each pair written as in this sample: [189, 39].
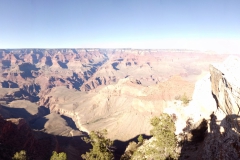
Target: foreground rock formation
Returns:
[226, 85]
[16, 135]
[224, 133]
[215, 100]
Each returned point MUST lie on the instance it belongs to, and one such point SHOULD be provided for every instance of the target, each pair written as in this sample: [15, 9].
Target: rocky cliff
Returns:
[223, 140]
[16, 135]
[226, 85]
[55, 135]
[208, 127]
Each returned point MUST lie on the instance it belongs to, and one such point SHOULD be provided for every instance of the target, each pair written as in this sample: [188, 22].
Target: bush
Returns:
[58, 156]
[131, 148]
[140, 138]
[101, 146]
[185, 99]
[20, 155]
[163, 144]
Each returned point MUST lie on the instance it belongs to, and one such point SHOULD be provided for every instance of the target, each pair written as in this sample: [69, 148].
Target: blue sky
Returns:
[180, 24]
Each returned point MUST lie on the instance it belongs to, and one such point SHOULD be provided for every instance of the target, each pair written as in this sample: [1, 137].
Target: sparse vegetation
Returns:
[163, 144]
[20, 155]
[58, 156]
[184, 98]
[140, 139]
[131, 148]
[101, 146]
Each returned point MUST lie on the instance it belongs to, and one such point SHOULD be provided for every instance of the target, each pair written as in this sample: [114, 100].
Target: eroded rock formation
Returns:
[116, 107]
[221, 141]
[226, 85]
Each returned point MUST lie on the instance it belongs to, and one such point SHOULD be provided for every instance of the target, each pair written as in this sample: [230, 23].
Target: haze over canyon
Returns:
[58, 96]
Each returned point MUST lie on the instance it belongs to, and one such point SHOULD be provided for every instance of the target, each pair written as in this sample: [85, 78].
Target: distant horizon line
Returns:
[106, 48]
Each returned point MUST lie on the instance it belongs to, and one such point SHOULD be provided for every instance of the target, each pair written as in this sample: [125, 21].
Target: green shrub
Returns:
[131, 148]
[101, 146]
[58, 156]
[140, 138]
[185, 99]
[20, 155]
[163, 144]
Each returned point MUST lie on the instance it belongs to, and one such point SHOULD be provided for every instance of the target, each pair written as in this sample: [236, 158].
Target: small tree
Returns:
[131, 148]
[140, 138]
[20, 155]
[185, 99]
[101, 146]
[163, 144]
[58, 156]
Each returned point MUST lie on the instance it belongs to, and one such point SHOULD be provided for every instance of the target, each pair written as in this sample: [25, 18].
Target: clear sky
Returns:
[169, 24]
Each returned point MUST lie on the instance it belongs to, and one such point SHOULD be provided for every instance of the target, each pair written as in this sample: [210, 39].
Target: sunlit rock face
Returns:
[199, 108]
[215, 99]
[222, 140]
[217, 92]
[225, 79]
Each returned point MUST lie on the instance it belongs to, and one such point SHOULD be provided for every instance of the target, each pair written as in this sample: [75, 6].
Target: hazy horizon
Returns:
[155, 24]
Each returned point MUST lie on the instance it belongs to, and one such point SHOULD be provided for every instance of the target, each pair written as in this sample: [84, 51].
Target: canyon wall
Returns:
[225, 80]
[221, 140]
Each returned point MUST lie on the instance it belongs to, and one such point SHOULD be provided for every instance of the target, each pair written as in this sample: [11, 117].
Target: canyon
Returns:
[62, 94]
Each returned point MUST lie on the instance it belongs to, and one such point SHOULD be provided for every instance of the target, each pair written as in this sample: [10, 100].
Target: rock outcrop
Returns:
[215, 103]
[225, 80]
[199, 108]
[221, 141]
[22, 109]
[16, 135]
